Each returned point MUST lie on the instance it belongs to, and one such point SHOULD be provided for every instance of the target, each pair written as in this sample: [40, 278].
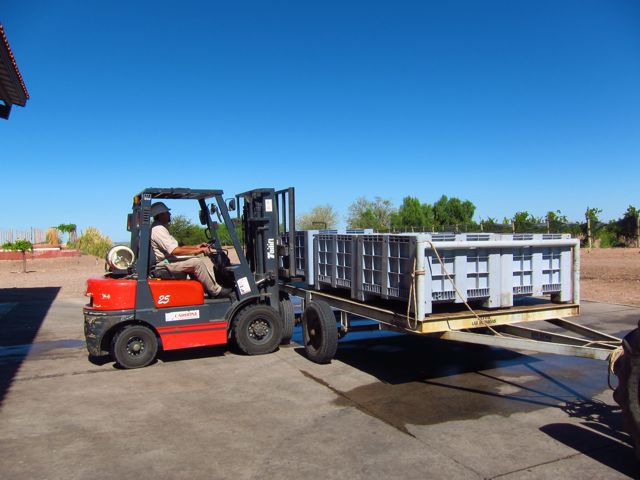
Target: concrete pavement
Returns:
[388, 407]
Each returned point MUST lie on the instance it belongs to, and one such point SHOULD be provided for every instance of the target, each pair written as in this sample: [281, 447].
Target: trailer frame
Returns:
[495, 327]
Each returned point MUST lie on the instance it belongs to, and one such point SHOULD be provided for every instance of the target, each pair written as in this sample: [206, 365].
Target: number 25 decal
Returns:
[163, 299]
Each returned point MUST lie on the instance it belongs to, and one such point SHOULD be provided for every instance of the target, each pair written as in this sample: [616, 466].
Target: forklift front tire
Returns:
[134, 346]
[257, 329]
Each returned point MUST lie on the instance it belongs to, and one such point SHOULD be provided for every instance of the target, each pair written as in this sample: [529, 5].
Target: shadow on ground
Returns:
[424, 381]
[593, 439]
[171, 355]
[22, 312]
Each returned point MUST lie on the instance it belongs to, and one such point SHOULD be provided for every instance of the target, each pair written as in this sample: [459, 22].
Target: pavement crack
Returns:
[356, 404]
[550, 462]
[57, 375]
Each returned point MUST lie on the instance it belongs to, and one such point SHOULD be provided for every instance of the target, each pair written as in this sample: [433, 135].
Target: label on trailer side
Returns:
[243, 286]
[268, 205]
[186, 315]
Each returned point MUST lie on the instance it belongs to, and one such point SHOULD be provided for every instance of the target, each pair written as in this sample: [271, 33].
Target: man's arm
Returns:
[168, 245]
[191, 249]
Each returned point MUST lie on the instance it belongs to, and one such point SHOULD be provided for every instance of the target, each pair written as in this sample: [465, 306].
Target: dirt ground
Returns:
[608, 275]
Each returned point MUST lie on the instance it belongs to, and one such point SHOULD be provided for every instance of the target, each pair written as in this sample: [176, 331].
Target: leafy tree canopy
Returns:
[186, 232]
[412, 214]
[18, 246]
[225, 236]
[453, 211]
[320, 217]
[592, 214]
[67, 227]
[374, 214]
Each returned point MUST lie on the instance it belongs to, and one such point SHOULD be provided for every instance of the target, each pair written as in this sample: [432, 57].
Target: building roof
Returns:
[12, 88]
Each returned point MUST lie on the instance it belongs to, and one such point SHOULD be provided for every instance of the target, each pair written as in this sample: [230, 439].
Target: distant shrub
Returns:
[52, 237]
[608, 239]
[92, 242]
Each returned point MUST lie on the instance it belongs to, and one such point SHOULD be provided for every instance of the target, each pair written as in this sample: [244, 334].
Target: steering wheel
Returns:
[219, 256]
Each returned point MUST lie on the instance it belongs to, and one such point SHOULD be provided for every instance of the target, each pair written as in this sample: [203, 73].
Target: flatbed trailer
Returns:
[493, 327]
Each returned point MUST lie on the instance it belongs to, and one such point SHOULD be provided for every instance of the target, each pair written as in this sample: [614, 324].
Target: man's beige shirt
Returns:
[162, 242]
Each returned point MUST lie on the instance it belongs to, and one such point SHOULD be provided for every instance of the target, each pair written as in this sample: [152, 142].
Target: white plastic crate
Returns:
[305, 254]
[485, 268]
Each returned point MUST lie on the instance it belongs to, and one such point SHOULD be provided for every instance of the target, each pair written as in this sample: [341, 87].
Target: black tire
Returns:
[319, 332]
[288, 320]
[257, 329]
[626, 394]
[134, 346]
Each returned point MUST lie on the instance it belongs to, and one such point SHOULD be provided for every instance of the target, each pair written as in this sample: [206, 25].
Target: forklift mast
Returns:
[268, 217]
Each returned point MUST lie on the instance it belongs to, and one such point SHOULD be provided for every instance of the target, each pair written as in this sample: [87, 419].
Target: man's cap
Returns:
[158, 208]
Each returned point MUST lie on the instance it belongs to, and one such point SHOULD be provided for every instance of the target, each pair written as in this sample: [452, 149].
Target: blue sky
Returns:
[514, 105]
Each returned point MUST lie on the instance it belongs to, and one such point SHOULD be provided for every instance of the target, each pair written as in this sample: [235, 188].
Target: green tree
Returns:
[558, 223]
[68, 228]
[92, 242]
[525, 222]
[427, 214]
[374, 214]
[453, 211]
[320, 217]
[20, 246]
[409, 215]
[628, 225]
[225, 236]
[489, 221]
[591, 215]
[555, 220]
[186, 232]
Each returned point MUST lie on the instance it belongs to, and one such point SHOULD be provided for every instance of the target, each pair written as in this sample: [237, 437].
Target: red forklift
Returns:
[139, 308]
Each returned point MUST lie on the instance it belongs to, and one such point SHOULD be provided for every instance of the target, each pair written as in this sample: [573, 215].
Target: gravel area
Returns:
[608, 275]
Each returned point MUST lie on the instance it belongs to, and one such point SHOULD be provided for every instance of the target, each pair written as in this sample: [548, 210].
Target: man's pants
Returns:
[201, 268]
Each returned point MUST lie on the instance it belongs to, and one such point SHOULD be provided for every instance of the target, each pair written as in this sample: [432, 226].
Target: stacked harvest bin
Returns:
[431, 268]
[304, 249]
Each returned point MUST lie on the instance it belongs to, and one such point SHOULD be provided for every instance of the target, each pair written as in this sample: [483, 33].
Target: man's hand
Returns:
[192, 249]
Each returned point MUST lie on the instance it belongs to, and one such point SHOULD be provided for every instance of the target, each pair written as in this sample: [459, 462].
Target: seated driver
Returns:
[166, 249]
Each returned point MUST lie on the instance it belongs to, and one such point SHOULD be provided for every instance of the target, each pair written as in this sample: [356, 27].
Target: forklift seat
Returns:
[160, 270]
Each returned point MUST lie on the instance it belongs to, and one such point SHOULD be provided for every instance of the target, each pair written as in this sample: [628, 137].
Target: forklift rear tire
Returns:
[134, 346]
[319, 332]
[257, 329]
[288, 320]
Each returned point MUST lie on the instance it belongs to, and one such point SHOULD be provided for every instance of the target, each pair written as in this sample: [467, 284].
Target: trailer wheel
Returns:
[257, 329]
[627, 394]
[134, 346]
[288, 320]
[319, 332]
